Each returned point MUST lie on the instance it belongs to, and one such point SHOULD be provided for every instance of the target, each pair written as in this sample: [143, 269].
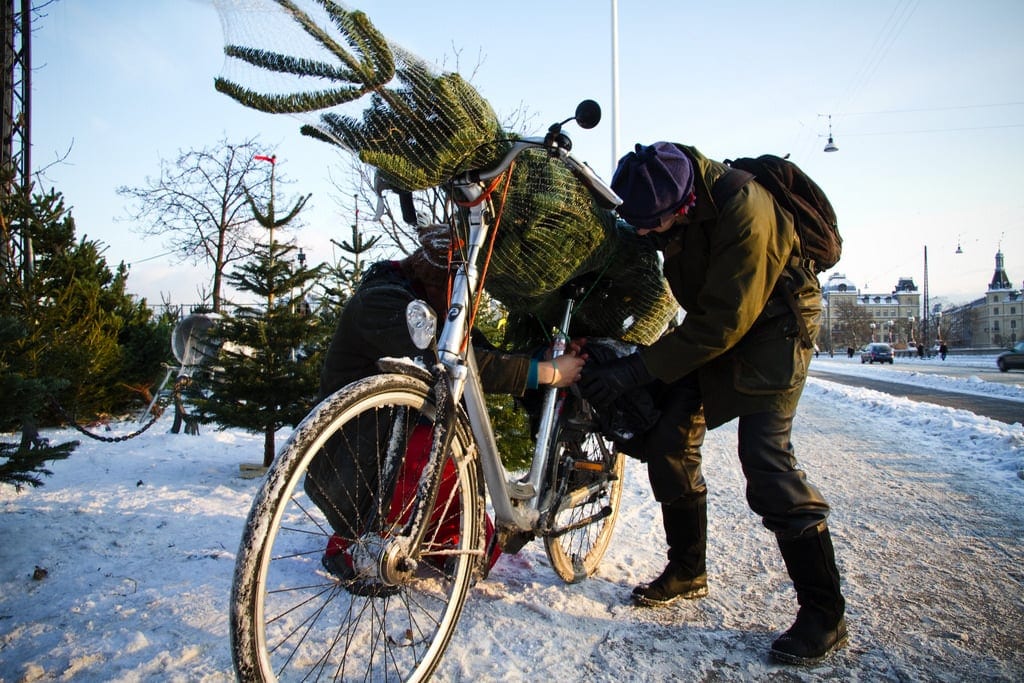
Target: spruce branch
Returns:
[367, 70]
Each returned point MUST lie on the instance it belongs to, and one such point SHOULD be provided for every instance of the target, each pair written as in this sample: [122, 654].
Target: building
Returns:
[853, 318]
[994, 320]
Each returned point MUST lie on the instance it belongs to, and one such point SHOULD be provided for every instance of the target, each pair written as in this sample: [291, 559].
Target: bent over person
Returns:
[739, 352]
[372, 326]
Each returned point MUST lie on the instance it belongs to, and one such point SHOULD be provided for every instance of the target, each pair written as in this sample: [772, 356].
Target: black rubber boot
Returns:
[820, 626]
[686, 531]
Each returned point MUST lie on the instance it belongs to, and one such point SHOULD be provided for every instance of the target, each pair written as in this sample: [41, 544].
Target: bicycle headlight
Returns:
[422, 323]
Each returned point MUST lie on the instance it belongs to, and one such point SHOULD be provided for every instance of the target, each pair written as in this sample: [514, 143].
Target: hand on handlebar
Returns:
[561, 372]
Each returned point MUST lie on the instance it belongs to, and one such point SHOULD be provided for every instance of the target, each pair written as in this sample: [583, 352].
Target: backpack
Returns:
[813, 215]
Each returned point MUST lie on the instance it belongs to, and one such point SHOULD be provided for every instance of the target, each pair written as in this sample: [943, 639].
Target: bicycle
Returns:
[413, 552]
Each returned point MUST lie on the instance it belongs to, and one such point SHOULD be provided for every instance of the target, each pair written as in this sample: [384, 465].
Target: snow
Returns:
[137, 540]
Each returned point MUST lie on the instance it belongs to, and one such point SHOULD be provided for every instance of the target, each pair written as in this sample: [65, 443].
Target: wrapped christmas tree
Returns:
[419, 128]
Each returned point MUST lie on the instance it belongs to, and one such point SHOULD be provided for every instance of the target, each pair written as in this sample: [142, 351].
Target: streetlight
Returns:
[910, 323]
[872, 326]
[891, 323]
[830, 146]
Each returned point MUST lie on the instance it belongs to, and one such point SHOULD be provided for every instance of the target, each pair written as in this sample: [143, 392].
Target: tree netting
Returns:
[355, 89]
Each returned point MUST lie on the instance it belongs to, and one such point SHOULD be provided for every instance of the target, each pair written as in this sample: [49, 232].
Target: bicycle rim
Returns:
[584, 520]
[291, 618]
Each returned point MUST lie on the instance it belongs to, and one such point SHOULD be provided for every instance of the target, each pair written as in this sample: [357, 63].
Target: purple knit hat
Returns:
[653, 182]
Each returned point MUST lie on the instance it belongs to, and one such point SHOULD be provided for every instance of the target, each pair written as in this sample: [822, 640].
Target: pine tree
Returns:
[342, 277]
[268, 375]
[23, 397]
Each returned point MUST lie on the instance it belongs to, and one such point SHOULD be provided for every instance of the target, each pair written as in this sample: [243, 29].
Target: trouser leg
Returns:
[795, 510]
[673, 450]
[788, 504]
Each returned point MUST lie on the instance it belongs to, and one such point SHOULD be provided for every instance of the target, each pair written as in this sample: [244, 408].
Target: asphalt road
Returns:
[995, 408]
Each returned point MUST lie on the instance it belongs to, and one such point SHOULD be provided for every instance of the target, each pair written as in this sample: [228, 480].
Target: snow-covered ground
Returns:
[137, 540]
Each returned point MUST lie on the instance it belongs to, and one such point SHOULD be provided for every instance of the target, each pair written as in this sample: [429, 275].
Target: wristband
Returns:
[531, 377]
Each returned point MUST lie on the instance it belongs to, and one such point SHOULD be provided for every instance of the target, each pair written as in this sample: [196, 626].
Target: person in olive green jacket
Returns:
[373, 325]
[739, 352]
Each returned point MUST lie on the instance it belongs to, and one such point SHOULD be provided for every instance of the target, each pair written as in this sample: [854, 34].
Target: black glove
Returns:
[602, 384]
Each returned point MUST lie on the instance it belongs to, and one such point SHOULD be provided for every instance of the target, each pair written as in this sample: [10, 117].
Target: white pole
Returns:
[615, 85]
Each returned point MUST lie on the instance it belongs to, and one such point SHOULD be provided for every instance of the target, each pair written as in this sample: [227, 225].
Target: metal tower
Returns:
[15, 144]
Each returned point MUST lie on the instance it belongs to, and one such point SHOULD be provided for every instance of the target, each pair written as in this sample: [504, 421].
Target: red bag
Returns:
[445, 520]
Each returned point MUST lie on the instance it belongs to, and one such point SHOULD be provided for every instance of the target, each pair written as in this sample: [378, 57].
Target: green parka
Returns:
[724, 265]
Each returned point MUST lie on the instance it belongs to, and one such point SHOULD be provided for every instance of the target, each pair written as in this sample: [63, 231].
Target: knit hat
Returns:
[653, 182]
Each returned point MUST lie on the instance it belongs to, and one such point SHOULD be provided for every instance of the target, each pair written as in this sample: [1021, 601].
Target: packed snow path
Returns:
[138, 539]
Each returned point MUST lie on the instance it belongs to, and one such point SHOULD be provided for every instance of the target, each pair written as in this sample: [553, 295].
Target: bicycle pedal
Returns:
[588, 466]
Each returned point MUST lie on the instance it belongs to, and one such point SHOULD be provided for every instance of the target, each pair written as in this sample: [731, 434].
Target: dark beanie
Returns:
[653, 182]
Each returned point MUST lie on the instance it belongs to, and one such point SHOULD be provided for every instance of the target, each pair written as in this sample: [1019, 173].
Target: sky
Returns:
[926, 101]
[137, 540]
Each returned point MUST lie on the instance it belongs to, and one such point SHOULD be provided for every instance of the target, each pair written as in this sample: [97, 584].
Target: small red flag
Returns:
[261, 157]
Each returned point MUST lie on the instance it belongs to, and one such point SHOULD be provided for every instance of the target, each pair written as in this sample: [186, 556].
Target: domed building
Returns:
[853, 318]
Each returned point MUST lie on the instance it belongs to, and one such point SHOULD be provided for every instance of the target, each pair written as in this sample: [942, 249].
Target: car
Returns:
[876, 353]
[1014, 358]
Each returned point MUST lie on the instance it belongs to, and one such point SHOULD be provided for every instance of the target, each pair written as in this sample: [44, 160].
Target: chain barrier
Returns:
[157, 410]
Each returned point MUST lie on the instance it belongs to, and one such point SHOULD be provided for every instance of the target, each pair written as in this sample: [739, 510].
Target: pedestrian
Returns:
[371, 326]
[943, 350]
[738, 353]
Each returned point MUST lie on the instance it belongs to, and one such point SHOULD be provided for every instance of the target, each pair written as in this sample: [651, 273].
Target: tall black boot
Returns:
[820, 626]
[686, 531]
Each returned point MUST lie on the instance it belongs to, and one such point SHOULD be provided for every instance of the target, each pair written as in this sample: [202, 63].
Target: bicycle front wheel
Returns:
[590, 473]
[326, 587]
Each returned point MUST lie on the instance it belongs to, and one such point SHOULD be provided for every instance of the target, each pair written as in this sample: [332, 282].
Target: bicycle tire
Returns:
[584, 517]
[291, 619]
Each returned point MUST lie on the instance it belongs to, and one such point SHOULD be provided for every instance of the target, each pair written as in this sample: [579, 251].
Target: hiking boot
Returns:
[672, 585]
[809, 640]
[820, 626]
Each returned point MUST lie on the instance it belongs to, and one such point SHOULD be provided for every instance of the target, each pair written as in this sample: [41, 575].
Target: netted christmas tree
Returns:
[419, 128]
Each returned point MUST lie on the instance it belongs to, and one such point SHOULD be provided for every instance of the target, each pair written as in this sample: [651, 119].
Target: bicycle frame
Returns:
[517, 504]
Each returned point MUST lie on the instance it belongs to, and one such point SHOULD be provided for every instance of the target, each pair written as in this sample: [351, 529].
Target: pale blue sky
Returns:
[926, 97]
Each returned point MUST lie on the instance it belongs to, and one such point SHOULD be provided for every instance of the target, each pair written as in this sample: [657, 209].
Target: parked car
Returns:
[876, 353]
[1014, 358]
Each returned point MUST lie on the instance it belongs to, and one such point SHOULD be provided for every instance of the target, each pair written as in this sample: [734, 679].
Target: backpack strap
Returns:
[728, 184]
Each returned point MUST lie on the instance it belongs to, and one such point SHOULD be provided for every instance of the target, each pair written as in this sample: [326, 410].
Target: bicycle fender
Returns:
[405, 366]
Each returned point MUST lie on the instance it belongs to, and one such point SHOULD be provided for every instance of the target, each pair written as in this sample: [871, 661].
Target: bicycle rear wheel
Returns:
[377, 609]
[590, 472]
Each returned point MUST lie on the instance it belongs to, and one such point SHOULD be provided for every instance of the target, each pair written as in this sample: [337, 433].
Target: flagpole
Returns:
[615, 84]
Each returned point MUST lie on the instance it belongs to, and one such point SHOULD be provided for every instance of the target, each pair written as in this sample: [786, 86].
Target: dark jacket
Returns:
[372, 326]
[724, 265]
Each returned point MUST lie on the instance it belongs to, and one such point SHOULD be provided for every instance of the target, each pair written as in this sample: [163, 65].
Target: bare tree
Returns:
[199, 205]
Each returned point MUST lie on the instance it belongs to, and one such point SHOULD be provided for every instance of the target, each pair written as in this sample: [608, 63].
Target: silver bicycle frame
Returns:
[516, 503]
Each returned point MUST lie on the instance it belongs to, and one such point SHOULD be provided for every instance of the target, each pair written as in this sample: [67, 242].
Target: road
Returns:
[999, 409]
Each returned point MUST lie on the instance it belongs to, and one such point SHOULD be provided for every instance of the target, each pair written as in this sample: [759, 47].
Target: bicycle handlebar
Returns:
[555, 147]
